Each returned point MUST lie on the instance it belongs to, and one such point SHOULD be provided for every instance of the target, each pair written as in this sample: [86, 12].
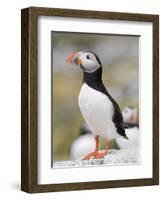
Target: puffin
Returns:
[98, 108]
[130, 116]
[83, 144]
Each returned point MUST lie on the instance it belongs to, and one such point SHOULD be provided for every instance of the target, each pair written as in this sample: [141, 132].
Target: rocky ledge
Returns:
[115, 157]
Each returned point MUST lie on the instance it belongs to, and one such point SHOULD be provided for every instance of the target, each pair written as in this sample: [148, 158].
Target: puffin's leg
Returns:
[101, 155]
[95, 152]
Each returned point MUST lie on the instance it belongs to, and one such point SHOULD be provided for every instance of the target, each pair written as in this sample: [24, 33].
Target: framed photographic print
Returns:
[90, 99]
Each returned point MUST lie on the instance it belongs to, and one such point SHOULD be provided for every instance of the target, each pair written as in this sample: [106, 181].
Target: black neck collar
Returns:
[93, 79]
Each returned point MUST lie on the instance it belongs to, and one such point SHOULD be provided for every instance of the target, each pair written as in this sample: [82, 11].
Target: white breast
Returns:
[97, 111]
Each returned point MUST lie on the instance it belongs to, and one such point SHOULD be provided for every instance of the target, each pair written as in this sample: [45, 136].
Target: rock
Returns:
[115, 157]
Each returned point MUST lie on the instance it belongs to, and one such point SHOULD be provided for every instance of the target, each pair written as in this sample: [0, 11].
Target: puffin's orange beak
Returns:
[70, 57]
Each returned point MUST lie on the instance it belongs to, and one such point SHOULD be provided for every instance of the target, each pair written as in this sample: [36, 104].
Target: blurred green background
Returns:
[119, 55]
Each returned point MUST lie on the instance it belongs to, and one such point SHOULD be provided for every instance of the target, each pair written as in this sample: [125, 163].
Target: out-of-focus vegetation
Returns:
[119, 56]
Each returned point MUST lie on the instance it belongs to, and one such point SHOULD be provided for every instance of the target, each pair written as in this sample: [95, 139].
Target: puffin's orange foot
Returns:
[95, 155]
[101, 155]
[92, 154]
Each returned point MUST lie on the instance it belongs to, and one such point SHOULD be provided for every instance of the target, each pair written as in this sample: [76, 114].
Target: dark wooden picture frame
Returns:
[29, 99]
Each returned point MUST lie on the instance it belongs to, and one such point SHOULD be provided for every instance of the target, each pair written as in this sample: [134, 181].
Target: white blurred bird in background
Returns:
[130, 115]
[83, 144]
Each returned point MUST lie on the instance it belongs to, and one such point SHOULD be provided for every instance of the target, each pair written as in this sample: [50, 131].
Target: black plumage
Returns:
[94, 80]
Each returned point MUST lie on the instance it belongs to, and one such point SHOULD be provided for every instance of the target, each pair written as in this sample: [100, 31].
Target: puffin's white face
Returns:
[129, 115]
[87, 60]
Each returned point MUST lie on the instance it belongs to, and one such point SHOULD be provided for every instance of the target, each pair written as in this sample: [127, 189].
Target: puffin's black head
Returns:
[87, 60]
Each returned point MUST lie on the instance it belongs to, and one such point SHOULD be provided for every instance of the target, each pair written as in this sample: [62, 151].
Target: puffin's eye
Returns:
[87, 56]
